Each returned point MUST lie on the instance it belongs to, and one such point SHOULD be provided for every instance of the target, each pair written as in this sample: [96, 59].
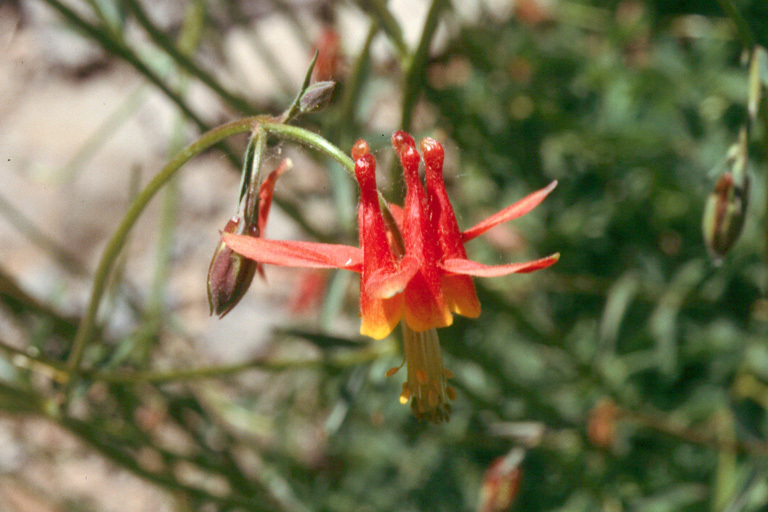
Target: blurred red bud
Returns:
[501, 482]
[328, 55]
[601, 426]
[724, 215]
[310, 291]
[726, 207]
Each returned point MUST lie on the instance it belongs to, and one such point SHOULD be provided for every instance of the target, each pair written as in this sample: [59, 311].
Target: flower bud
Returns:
[602, 423]
[316, 97]
[230, 274]
[501, 482]
[726, 207]
[724, 214]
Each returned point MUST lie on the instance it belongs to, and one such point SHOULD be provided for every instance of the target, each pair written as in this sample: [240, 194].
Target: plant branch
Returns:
[88, 434]
[378, 10]
[743, 31]
[344, 360]
[413, 80]
[116, 243]
[115, 47]
[694, 436]
[187, 64]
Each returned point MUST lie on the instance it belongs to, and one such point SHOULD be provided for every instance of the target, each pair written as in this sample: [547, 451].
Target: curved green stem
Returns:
[116, 243]
[310, 140]
[315, 141]
[304, 137]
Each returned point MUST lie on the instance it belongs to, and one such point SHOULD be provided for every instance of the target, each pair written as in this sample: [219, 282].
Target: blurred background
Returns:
[632, 375]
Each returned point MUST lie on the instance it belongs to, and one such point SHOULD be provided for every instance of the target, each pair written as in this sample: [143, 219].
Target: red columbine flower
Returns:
[456, 268]
[425, 306]
[443, 283]
[380, 313]
[425, 281]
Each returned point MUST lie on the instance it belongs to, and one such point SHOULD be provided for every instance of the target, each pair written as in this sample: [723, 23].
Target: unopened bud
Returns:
[230, 274]
[316, 97]
[724, 215]
[601, 426]
[501, 482]
[726, 207]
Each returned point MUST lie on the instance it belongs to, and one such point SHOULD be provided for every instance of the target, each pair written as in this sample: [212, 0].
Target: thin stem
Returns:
[414, 72]
[294, 109]
[743, 31]
[694, 436]
[23, 359]
[315, 141]
[187, 64]
[193, 374]
[94, 438]
[115, 47]
[41, 239]
[21, 304]
[379, 11]
[252, 195]
[116, 243]
[310, 140]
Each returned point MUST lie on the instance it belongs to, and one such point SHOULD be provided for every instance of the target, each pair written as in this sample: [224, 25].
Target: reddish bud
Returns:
[230, 274]
[501, 483]
[724, 214]
[601, 427]
[328, 55]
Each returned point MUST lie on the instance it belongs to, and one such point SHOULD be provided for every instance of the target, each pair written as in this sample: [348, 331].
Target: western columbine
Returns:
[414, 269]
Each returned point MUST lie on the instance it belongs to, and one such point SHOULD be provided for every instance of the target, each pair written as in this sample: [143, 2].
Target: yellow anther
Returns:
[392, 371]
[405, 395]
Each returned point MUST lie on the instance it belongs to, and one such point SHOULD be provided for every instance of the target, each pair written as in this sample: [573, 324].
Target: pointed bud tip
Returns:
[316, 97]
[724, 214]
[229, 274]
